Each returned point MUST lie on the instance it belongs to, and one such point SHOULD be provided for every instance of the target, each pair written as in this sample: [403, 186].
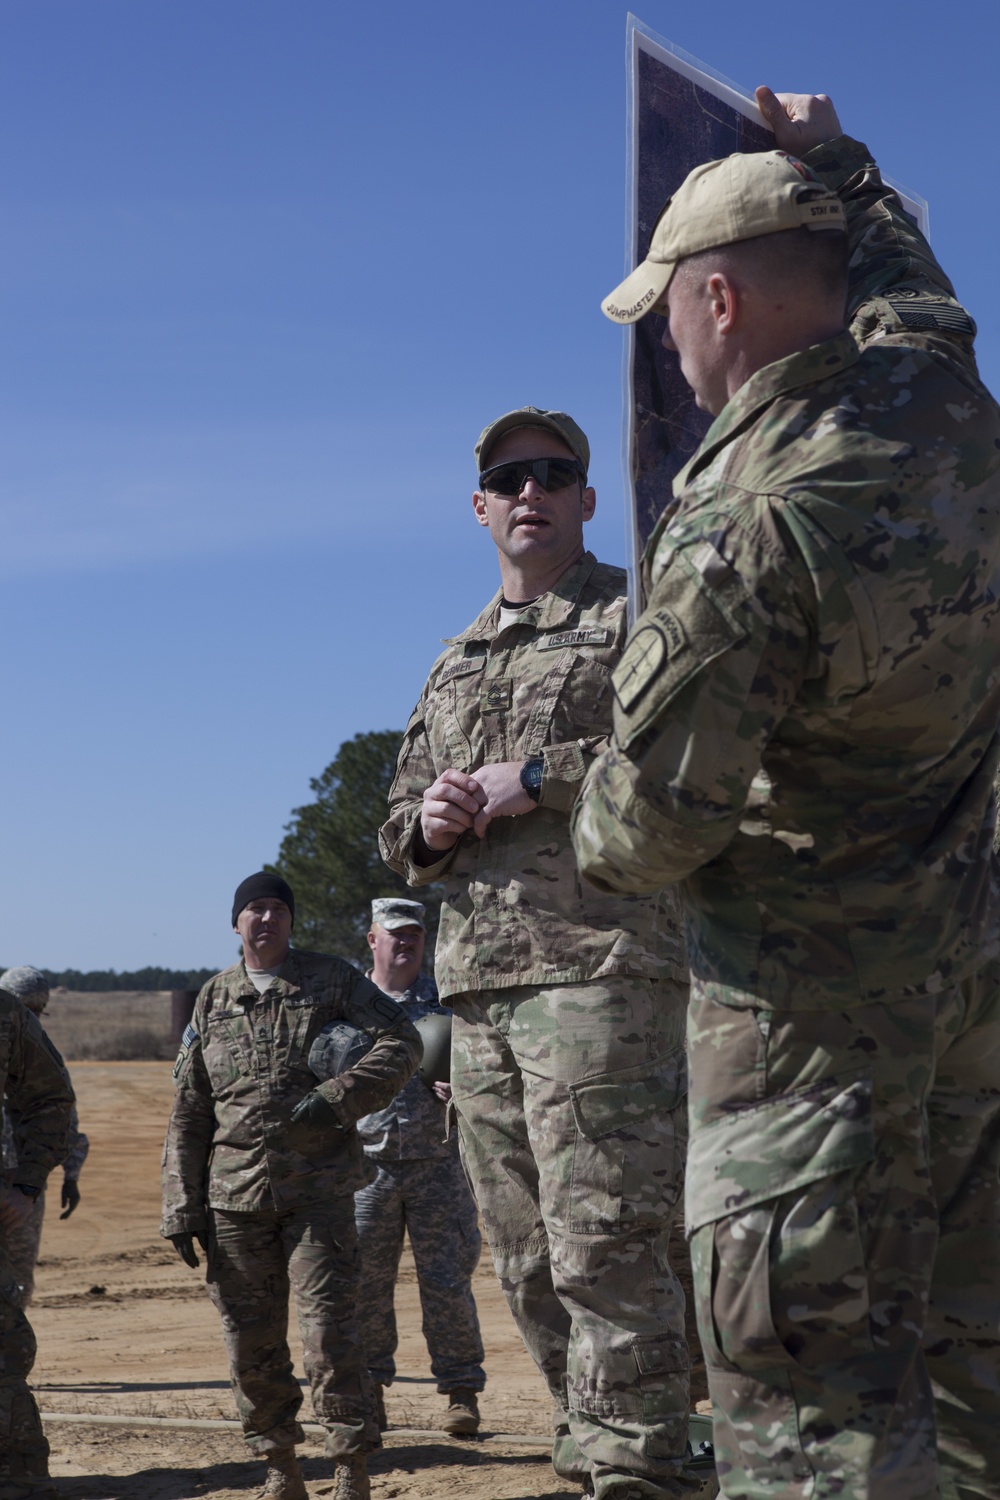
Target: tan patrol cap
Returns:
[533, 416]
[737, 198]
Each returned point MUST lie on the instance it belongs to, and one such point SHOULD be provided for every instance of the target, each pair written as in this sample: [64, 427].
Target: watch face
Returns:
[531, 776]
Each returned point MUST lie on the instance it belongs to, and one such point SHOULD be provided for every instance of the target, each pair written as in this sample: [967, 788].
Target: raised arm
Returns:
[895, 283]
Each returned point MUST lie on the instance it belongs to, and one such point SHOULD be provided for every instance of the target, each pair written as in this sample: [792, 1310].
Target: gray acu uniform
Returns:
[23, 1243]
[568, 1063]
[421, 1190]
[40, 1098]
[276, 1199]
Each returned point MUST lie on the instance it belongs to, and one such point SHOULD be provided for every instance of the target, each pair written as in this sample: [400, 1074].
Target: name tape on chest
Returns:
[584, 635]
[463, 668]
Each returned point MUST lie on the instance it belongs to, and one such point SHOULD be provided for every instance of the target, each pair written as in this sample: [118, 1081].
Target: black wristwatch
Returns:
[531, 777]
[27, 1189]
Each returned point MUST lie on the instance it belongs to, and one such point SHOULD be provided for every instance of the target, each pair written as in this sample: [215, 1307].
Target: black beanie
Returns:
[262, 884]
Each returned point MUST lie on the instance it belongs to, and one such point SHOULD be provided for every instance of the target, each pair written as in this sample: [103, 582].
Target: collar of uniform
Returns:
[288, 978]
[806, 367]
[548, 612]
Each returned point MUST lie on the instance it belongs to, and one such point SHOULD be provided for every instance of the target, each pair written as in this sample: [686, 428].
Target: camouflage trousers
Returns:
[22, 1246]
[429, 1200]
[843, 1204]
[254, 1260]
[24, 1451]
[573, 1126]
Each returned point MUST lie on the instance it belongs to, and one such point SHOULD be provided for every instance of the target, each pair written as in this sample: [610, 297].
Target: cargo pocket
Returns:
[777, 1253]
[628, 1151]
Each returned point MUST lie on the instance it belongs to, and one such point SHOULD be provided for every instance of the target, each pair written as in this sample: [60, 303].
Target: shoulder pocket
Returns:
[687, 624]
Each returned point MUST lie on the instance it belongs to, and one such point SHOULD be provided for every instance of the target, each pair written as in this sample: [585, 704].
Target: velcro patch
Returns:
[644, 656]
[188, 1040]
[498, 695]
[926, 312]
[585, 635]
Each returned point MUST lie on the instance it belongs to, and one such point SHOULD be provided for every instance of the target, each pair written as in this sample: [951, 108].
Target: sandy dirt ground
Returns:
[125, 1329]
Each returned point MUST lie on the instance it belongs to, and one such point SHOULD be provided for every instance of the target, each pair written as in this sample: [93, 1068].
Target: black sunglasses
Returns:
[550, 473]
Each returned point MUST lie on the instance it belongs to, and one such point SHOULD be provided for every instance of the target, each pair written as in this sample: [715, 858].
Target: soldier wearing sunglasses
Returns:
[568, 1067]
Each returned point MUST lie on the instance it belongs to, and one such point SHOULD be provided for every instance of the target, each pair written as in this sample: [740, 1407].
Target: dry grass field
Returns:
[111, 1026]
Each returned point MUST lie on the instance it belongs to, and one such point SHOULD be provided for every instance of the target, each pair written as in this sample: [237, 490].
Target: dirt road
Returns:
[125, 1329]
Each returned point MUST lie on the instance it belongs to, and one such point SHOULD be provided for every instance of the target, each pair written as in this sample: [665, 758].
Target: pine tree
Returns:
[330, 856]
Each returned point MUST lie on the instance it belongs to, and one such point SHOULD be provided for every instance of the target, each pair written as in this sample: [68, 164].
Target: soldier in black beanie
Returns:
[260, 1168]
[263, 884]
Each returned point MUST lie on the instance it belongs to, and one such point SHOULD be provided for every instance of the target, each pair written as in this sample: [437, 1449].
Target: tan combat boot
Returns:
[462, 1416]
[350, 1479]
[284, 1477]
[380, 1416]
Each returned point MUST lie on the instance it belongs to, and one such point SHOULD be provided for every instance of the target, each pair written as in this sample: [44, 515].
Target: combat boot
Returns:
[380, 1416]
[350, 1479]
[462, 1416]
[284, 1477]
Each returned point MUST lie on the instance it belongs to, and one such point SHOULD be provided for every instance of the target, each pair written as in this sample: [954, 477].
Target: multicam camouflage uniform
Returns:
[38, 1091]
[568, 1067]
[806, 739]
[23, 1243]
[275, 1198]
[420, 1190]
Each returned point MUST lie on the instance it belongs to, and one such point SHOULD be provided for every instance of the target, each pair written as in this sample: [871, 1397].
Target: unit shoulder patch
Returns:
[644, 656]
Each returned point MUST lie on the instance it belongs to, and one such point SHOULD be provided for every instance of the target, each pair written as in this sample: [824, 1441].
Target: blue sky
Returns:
[266, 268]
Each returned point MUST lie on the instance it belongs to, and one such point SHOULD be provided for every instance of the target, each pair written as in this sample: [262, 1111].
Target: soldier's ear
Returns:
[479, 506]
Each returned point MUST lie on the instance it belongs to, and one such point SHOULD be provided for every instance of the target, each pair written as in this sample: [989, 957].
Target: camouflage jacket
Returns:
[36, 1091]
[806, 717]
[413, 1126]
[515, 910]
[77, 1147]
[242, 1068]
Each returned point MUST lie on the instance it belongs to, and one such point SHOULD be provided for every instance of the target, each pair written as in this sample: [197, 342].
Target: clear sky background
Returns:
[266, 269]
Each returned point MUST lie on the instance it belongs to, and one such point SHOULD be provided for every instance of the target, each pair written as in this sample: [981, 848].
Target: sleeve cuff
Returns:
[564, 767]
[839, 160]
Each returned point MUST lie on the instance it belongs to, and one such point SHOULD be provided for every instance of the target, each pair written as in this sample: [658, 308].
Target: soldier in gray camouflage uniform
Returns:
[421, 1190]
[806, 739]
[32, 988]
[260, 1166]
[37, 1090]
[568, 1061]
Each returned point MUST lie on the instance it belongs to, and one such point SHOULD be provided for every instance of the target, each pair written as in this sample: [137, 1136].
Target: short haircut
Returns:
[802, 257]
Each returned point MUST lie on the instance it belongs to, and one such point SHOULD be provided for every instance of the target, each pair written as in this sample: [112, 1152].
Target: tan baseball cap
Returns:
[533, 416]
[720, 202]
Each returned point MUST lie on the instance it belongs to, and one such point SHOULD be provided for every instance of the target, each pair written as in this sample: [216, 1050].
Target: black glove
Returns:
[69, 1197]
[184, 1245]
[316, 1112]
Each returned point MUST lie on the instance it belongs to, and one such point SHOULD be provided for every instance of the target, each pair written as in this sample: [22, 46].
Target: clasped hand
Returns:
[456, 802]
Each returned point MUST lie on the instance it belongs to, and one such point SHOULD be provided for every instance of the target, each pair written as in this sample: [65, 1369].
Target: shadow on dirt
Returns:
[239, 1479]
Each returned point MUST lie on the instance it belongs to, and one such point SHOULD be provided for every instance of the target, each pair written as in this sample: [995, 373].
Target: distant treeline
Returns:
[139, 979]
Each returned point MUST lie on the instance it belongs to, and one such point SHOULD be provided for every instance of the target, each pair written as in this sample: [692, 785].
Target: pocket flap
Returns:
[614, 1101]
[756, 1154]
[655, 1356]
